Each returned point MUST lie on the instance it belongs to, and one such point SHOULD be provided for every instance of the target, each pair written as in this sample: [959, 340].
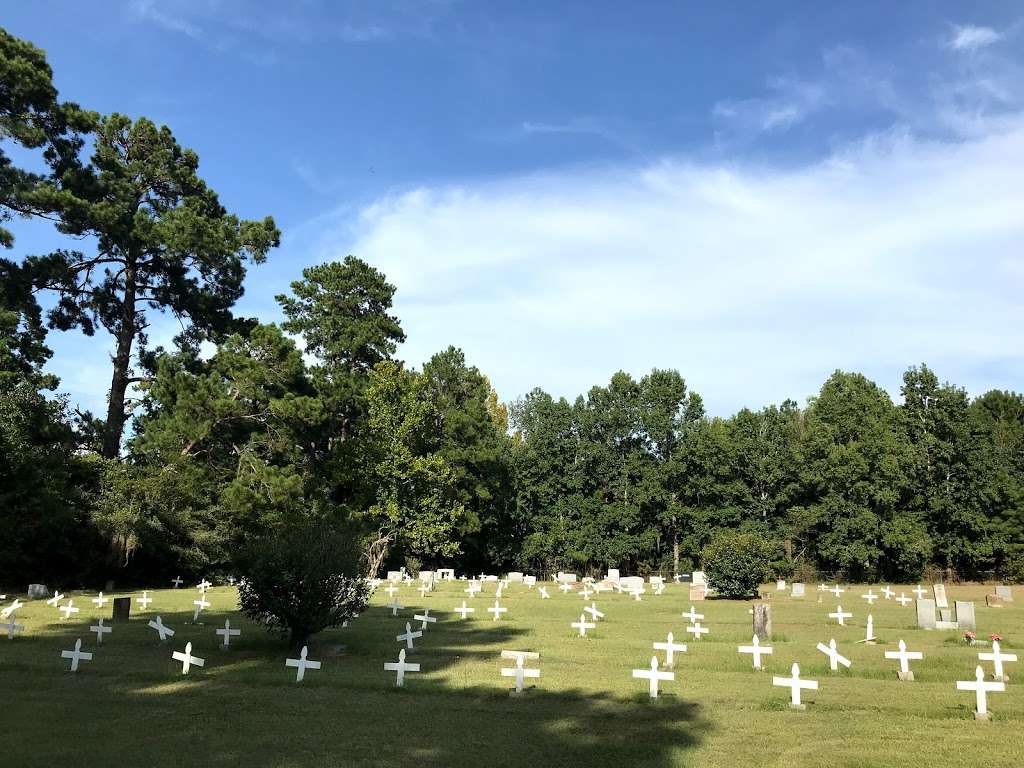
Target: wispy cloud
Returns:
[147, 10]
[972, 38]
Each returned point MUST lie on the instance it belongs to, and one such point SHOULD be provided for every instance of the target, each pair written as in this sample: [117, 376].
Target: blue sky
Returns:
[755, 194]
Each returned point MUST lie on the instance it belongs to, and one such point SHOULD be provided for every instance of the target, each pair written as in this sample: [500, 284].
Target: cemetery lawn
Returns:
[130, 705]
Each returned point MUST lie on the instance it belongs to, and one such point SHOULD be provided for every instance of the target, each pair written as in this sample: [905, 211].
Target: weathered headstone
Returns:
[109, 586]
[700, 578]
[926, 613]
[945, 615]
[797, 589]
[965, 615]
[697, 594]
[631, 583]
[763, 621]
[994, 601]
[1005, 592]
[939, 591]
[37, 591]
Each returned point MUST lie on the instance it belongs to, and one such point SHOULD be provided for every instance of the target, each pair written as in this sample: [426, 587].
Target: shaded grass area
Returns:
[131, 703]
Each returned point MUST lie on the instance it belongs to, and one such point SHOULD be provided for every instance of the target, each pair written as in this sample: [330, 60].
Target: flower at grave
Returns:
[969, 637]
[995, 638]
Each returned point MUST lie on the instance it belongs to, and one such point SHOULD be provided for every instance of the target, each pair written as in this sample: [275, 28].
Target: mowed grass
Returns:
[131, 706]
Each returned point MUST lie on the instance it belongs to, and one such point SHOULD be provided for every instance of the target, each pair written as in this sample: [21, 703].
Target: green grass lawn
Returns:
[131, 706]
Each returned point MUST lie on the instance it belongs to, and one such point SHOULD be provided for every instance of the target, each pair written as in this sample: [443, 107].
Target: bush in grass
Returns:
[300, 580]
[736, 564]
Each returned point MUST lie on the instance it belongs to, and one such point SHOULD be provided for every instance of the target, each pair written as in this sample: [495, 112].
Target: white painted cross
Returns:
[79, 655]
[100, 631]
[637, 592]
[162, 630]
[301, 664]
[997, 658]
[756, 650]
[424, 618]
[889, 594]
[176, 581]
[903, 600]
[187, 659]
[145, 600]
[670, 647]
[834, 657]
[408, 636]
[544, 593]
[697, 630]
[391, 590]
[423, 589]
[472, 589]
[869, 633]
[795, 685]
[10, 609]
[653, 676]
[201, 604]
[203, 585]
[870, 596]
[395, 607]
[13, 628]
[585, 593]
[692, 616]
[519, 672]
[68, 609]
[565, 586]
[583, 625]
[463, 609]
[497, 610]
[57, 597]
[659, 587]
[904, 656]
[981, 690]
[231, 580]
[100, 600]
[227, 632]
[401, 668]
[594, 613]
[919, 592]
[500, 590]
[836, 590]
[840, 615]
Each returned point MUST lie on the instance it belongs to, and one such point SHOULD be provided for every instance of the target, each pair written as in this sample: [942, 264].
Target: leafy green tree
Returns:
[737, 563]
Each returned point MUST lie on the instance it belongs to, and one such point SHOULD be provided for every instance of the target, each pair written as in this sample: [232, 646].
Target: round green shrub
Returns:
[736, 564]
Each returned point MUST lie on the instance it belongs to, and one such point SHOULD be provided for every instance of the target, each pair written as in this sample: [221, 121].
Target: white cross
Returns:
[203, 585]
[13, 628]
[565, 586]
[585, 593]
[10, 609]
[519, 672]
[187, 659]
[756, 650]
[887, 592]
[145, 600]
[659, 588]
[408, 636]
[79, 655]
[594, 613]
[472, 589]
[981, 689]
[497, 610]
[176, 581]
[670, 647]
[822, 587]
[840, 615]
[903, 600]
[697, 630]
[583, 625]
[395, 607]
[544, 593]
[424, 618]
[870, 596]
[231, 580]
[227, 632]
[834, 657]
[163, 631]
[302, 664]
[200, 604]
[391, 590]
[100, 600]
[501, 588]
[463, 609]
[795, 684]
[57, 597]
[401, 668]
[869, 634]
[653, 676]
[692, 616]
[836, 590]
[997, 658]
[637, 592]
[100, 631]
[904, 657]
[919, 592]
[423, 590]
[68, 609]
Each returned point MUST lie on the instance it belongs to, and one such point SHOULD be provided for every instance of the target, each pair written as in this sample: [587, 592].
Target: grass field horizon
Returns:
[131, 703]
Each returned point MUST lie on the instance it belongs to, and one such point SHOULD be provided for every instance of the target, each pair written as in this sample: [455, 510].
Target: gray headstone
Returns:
[122, 609]
[926, 614]
[797, 589]
[697, 593]
[1005, 593]
[110, 586]
[37, 591]
[946, 614]
[763, 621]
[965, 615]
[940, 596]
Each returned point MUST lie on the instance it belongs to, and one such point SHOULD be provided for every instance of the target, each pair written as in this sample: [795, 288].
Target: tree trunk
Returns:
[119, 380]
[375, 554]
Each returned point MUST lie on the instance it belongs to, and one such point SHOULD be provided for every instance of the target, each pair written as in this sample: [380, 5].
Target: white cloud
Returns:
[148, 11]
[972, 38]
[755, 281]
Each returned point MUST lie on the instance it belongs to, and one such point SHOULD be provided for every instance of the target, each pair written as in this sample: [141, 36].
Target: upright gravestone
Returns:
[939, 590]
[1003, 591]
[926, 614]
[965, 615]
[797, 589]
[122, 609]
[763, 621]
[994, 601]
[37, 591]
[697, 593]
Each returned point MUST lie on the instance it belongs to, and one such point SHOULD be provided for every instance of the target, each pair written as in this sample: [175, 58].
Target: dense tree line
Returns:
[307, 447]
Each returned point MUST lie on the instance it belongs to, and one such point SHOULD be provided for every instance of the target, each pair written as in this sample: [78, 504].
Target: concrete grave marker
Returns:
[530, 581]
[301, 664]
[653, 676]
[994, 601]
[939, 591]
[227, 633]
[997, 657]
[926, 613]
[583, 625]
[37, 591]
[756, 650]
[697, 594]
[763, 621]
[100, 631]
[981, 690]
[1005, 592]
[795, 685]
[122, 609]
[834, 657]
[401, 667]
[161, 629]
[408, 636]
[798, 589]
[780, 585]
[904, 657]
[519, 672]
[965, 615]
[79, 655]
[187, 659]
[670, 647]
[840, 615]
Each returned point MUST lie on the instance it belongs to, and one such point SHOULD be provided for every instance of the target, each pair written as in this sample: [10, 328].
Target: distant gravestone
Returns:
[697, 594]
[994, 601]
[612, 575]
[515, 576]
[939, 591]
[797, 589]
[965, 615]
[780, 585]
[763, 621]
[109, 586]
[631, 583]
[37, 591]
[926, 614]
[1002, 591]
